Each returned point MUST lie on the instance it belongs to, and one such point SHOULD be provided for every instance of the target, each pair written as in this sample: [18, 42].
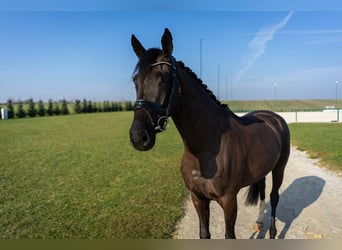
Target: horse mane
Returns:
[244, 120]
[202, 85]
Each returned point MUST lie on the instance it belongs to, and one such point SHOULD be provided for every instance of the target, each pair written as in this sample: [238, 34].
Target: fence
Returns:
[299, 116]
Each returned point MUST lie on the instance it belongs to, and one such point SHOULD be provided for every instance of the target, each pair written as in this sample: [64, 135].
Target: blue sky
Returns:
[82, 51]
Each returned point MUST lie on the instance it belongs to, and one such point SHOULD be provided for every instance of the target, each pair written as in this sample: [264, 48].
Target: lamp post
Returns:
[201, 58]
[336, 94]
[275, 95]
[218, 82]
[337, 111]
[227, 89]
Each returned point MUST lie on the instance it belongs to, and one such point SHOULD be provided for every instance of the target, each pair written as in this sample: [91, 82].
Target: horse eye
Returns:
[166, 78]
[163, 80]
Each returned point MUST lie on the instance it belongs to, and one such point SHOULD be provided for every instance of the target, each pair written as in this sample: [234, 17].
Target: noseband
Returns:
[159, 114]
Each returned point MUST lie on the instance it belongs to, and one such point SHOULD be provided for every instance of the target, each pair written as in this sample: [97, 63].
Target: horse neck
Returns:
[198, 118]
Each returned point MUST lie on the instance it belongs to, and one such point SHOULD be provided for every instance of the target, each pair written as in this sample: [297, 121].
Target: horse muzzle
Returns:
[142, 135]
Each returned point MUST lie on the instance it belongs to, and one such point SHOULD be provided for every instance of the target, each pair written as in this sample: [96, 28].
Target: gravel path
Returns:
[310, 206]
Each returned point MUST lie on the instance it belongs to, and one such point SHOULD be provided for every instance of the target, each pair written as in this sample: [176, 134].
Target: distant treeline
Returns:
[30, 108]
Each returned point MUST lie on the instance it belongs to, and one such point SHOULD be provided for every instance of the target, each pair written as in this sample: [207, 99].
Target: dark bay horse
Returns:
[222, 152]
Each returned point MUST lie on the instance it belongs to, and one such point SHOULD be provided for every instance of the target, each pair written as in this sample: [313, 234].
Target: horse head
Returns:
[156, 90]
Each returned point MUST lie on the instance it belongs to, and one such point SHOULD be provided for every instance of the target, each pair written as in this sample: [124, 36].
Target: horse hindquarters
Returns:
[281, 131]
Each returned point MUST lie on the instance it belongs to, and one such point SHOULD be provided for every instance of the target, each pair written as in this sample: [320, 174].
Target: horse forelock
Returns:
[144, 63]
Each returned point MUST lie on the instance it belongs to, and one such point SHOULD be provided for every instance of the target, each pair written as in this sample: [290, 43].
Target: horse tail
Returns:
[253, 195]
[255, 191]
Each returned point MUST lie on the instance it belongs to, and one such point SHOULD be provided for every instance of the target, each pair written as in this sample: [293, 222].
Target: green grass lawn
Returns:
[78, 177]
[320, 140]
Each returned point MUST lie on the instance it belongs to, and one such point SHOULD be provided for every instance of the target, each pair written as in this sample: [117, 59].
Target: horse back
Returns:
[278, 125]
[273, 120]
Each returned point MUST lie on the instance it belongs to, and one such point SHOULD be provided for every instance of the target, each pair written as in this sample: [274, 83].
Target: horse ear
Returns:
[167, 42]
[137, 47]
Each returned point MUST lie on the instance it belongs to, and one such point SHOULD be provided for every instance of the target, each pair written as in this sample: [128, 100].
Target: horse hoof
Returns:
[258, 226]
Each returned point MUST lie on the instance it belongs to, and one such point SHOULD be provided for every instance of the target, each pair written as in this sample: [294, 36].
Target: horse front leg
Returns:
[229, 205]
[202, 208]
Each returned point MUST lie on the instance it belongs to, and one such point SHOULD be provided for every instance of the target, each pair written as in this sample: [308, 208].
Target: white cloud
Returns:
[313, 32]
[316, 37]
[258, 46]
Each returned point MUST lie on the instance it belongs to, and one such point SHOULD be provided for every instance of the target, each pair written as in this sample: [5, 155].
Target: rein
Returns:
[159, 114]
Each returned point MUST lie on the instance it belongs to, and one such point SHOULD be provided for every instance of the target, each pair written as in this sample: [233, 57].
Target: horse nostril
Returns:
[145, 138]
[134, 136]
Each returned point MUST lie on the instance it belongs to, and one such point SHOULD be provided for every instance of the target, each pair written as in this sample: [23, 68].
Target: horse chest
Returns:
[211, 188]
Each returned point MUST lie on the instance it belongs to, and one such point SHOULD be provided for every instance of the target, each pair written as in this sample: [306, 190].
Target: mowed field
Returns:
[321, 141]
[77, 176]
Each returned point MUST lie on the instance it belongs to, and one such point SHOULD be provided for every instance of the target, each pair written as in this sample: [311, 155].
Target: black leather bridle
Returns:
[159, 114]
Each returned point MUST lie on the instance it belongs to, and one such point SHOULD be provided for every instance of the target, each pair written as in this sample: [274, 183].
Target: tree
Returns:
[90, 107]
[31, 110]
[77, 107]
[64, 108]
[21, 112]
[119, 106]
[94, 109]
[49, 110]
[56, 109]
[128, 106]
[41, 109]
[106, 106]
[114, 107]
[85, 106]
[99, 107]
[10, 109]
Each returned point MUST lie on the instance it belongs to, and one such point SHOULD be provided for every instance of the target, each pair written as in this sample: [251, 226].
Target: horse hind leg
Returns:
[262, 206]
[255, 191]
[259, 224]
[277, 178]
